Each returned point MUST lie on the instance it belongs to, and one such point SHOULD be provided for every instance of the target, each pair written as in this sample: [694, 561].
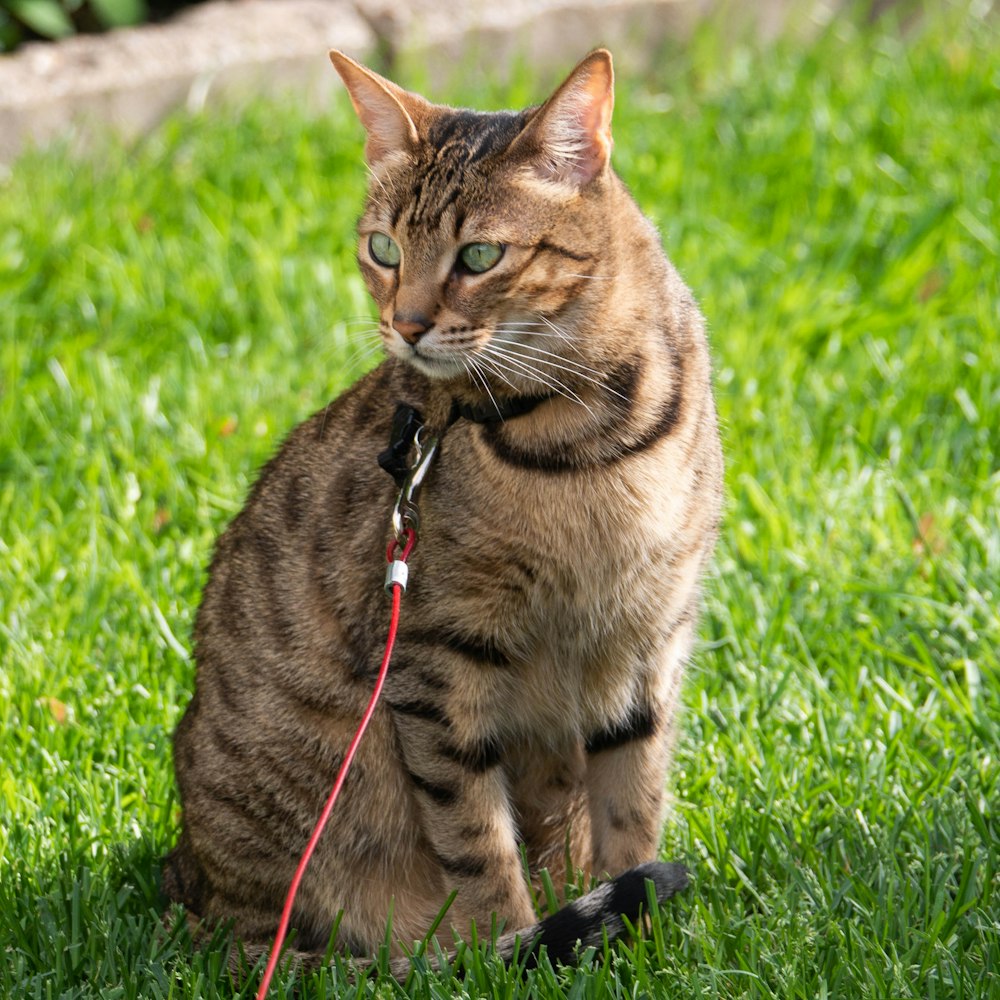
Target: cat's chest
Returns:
[565, 573]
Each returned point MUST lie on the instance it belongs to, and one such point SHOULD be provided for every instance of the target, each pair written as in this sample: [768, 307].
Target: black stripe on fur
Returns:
[639, 724]
[425, 710]
[480, 756]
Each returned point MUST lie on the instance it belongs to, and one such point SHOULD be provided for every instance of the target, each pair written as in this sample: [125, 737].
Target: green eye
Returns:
[479, 257]
[383, 249]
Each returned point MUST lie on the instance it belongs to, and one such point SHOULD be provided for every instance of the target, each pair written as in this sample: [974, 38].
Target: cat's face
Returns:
[477, 237]
[458, 252]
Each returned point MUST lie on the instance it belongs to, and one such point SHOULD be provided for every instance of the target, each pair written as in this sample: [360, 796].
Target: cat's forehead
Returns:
[462, 137]
[460, 154]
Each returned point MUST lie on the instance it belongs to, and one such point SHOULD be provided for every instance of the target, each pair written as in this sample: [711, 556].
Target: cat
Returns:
[530, 316]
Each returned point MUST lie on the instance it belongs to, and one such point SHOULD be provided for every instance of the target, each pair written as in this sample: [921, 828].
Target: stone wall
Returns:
[233, 49]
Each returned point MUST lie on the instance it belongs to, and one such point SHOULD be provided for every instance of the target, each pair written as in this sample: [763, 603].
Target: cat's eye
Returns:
[479, 257]
[384, 249]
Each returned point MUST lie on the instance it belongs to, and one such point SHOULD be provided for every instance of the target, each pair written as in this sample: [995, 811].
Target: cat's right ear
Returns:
[389, 114]
[568, 140]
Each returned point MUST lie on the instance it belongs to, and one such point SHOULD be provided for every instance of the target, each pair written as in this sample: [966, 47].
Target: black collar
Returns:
[495, 411]
[407, 421]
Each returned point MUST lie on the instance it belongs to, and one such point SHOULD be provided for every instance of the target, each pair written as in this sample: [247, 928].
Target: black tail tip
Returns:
[668, 878]
[606, 910]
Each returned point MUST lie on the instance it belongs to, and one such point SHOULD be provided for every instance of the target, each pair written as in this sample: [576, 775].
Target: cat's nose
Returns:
[411, 326]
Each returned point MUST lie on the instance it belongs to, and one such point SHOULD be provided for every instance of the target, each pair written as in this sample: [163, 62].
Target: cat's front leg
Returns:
[467, 819]
[627, 761]
[552, 814]
[625, 785]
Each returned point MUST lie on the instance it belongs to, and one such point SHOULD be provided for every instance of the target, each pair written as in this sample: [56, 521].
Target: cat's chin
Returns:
[437, 368]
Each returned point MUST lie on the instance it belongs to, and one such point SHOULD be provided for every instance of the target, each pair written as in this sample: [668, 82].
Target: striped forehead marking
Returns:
[456, 141]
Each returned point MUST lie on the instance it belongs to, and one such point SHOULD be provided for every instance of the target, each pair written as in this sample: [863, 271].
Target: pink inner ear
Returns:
[389, 129]
[601, 106]
[596, 122]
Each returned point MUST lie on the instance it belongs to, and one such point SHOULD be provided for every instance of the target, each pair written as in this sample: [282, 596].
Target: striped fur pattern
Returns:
[554, 593]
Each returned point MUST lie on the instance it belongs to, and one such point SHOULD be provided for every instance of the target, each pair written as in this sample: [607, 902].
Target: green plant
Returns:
[59, 18]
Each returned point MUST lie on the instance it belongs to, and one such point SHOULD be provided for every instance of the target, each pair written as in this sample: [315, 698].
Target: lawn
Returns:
[169, 310]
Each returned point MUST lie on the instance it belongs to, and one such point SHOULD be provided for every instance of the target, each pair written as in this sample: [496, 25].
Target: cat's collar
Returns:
[496, 410]
[407, 421]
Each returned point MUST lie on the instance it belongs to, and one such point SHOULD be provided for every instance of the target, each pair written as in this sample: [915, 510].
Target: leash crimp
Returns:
[396, 554]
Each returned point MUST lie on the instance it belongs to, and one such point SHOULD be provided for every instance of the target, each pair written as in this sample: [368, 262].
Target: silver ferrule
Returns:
[396, 572]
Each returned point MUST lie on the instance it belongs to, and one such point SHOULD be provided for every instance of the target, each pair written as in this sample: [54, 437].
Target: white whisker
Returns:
[356, 361]
[560, 332]
[366, 348]
[369, 350]
[496, 363]
[579, 370]
[489, 366]
[486, 385]
[549, 354]
[556, 332]
[517, 367]
[476, 376]
[553, 326]
[529, 359]
[527, 333]
[377, 180]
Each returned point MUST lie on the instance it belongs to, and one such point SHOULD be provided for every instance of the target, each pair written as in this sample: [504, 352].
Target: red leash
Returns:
[397, 581]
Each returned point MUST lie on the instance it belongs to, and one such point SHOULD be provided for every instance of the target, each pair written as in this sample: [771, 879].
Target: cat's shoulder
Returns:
[340, 440]
[363, 412]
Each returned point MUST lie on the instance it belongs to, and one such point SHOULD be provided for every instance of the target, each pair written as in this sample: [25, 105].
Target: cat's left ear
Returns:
[391, 116]
[569, 137]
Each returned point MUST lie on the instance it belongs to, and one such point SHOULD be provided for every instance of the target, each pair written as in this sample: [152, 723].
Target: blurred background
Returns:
[200, 52]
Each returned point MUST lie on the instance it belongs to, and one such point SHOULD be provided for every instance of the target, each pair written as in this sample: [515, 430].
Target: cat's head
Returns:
[483, 233]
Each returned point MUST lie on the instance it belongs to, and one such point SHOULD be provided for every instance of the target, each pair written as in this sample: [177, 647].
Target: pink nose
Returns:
[411, 327]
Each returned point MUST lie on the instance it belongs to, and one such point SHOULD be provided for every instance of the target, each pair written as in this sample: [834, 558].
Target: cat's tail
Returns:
[561, 935]
[603, 911]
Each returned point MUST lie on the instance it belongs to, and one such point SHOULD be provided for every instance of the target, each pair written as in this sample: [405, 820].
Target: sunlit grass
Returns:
[168, 312]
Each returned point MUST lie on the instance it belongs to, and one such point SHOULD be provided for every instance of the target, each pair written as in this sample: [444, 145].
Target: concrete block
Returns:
[128, 80]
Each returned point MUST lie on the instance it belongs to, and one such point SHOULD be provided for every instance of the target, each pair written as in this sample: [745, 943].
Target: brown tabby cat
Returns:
[527, 308]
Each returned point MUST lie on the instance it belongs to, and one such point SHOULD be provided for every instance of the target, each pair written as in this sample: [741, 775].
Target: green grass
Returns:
[169, 311]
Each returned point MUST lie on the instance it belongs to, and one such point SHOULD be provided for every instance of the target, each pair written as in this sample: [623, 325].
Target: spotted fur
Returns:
[555, 587]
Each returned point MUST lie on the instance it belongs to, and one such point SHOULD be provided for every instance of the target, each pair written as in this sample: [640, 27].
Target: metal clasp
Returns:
[405, 514]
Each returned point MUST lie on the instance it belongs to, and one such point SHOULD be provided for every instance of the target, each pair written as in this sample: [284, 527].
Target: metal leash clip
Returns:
[405, 514]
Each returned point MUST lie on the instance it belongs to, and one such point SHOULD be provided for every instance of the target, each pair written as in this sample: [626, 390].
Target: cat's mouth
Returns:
[434, 363]
[441, 355]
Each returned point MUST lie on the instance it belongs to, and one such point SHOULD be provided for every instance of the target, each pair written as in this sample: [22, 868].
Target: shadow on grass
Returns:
[80, 928]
